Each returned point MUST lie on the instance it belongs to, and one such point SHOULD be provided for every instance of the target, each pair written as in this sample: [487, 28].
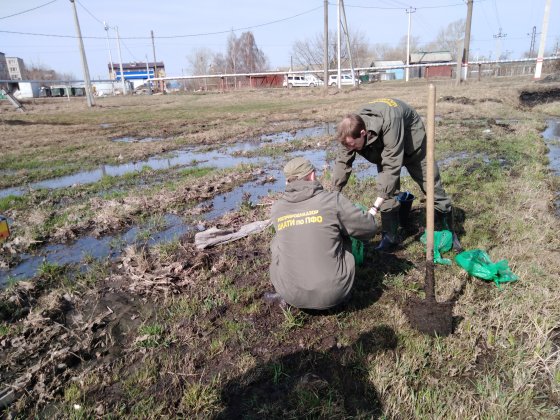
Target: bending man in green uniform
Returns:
[391, 134]
[312, 265]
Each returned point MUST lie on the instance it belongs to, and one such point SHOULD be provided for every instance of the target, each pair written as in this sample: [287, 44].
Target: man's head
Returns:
[299, 168]
[351, 132]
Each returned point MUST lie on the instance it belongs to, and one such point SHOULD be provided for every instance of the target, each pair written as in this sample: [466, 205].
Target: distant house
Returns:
[388, 74]
[16, 68]
[427, 57]
[24, 90]
[4, 74]
[137, 72]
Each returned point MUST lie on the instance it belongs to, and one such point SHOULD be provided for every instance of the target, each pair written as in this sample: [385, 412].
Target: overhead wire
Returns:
[403, 6]
[173, 36]
[89, 13]
[28, 10]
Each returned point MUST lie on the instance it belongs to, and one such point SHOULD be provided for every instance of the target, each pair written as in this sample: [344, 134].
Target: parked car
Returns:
[304, 80]
[345, 80]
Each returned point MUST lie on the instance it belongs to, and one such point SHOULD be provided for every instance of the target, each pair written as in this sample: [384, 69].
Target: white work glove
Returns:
[374, 210]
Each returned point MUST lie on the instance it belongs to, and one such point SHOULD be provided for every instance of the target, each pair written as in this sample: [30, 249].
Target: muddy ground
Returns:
[171, 330]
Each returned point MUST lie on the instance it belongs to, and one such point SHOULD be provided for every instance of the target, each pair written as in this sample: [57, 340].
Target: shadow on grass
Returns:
[418, 222]
[311, 384]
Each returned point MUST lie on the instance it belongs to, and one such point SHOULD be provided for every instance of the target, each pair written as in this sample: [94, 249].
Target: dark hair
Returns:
[350, 126]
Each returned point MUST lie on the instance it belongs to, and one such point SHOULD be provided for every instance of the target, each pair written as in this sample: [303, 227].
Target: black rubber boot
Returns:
[406, 199]
[445, 221]
[389, 226]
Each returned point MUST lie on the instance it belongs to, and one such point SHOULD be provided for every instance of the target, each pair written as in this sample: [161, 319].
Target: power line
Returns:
[404, 7]
[89, 13]
[171, 36]
[28, 10]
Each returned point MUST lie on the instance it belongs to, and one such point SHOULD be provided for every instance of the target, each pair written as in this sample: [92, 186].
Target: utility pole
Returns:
[148, 76]
[498, 38]
[533, 35]
[109, 49]
[110, 57]
[85, 69]
[465, 60]
[544, 30]
[155, 61]
[409, 11]
[326, 45]
[345, 27]
[338, 43]
[123, 84]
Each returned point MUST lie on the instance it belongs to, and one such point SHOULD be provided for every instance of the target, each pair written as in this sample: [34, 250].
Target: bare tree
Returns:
[397, 52]
[42, 72]
[200, 62]
[243, 55]
[219, 64]
[308, 54]
[448, 39]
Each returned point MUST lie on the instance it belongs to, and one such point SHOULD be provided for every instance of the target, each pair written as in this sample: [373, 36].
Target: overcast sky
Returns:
[42, 31]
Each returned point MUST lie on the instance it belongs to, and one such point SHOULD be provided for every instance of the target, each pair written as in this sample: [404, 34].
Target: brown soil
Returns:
[532, 98]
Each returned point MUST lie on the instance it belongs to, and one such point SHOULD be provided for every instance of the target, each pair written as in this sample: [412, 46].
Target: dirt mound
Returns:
[542, 96]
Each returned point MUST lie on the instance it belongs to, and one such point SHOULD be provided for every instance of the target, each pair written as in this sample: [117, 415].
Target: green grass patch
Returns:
[13, 202]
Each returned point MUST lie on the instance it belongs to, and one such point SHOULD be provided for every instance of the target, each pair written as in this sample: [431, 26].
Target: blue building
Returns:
[388, 69]
[137, 73]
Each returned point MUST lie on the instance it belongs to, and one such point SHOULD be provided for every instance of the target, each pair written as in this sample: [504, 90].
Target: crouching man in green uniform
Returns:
[312, 265]
[391, 134]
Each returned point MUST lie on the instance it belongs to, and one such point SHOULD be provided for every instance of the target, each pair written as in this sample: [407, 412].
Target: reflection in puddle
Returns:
[109, 246]
[552, 139]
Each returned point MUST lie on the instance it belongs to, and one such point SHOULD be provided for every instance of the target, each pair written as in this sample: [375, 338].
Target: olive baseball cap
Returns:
[298, 168]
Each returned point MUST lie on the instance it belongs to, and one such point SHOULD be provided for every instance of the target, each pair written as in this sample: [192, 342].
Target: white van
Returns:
[345, 80]
[306, 80]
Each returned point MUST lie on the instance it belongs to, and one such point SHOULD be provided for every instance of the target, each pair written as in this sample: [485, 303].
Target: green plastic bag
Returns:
[478, 264]
[357, 250]
[357, 245]
[443, 241]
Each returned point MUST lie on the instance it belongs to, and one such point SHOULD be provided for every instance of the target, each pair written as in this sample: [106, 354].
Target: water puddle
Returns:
[552, 139]
[109, 246]
[195, 156]
[274, 181]
[135, 140]
[468, 156]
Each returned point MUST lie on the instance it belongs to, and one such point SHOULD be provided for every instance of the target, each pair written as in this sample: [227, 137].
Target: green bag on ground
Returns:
[478, 264]
[443, 241]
